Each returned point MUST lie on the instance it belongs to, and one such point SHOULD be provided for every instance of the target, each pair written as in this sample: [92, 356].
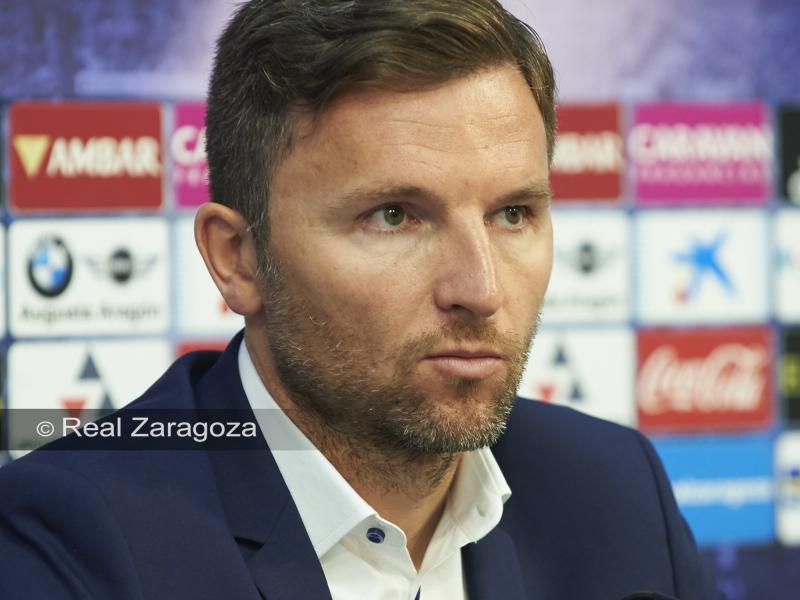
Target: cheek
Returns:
[357, 297]
[527, 280]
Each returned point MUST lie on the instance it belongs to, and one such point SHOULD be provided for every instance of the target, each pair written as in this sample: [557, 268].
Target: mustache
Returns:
[469, 329]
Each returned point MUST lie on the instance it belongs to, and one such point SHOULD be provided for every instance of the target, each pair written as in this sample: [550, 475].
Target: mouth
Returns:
[466, 364]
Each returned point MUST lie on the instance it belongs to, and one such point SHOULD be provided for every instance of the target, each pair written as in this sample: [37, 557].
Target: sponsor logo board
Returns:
[85, 155]
[588, 157]
[188, 153]
[694, 380]
[2, 283]
[724, 486]
[590, 279]
[714, 153]
[787, 473]
[789, 123]
[81, 378]
[787, 292]
[702, 266]
[88, 276]
[201, 309]
[789, 375]
[591, 370]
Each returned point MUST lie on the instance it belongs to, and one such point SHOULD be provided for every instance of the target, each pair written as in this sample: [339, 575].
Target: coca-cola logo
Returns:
[731, 378]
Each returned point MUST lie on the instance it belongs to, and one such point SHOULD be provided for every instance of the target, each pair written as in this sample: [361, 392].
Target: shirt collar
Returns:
[329, 507]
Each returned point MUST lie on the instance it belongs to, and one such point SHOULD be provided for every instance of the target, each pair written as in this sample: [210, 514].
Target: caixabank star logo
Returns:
[84, 155]
[702, 266]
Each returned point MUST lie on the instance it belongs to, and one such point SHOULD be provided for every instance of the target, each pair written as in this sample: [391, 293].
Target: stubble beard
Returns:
[351, 414]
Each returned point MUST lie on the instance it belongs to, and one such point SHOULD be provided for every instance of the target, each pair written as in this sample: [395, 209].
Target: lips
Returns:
[459, 353]
[466, 364]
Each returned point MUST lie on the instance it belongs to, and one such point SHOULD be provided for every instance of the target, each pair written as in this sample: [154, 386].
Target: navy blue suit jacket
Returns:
[592, 515]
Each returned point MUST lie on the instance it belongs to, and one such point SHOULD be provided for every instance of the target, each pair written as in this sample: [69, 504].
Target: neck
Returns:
[408, 489]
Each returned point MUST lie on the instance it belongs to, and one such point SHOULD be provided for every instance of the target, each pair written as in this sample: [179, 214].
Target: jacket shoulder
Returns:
[53, 516]
[599, 492]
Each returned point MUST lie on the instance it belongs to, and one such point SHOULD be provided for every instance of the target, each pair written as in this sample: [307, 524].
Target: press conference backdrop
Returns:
[674, 305]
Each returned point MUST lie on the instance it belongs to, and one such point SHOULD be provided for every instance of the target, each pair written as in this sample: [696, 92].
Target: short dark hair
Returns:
[277, 59]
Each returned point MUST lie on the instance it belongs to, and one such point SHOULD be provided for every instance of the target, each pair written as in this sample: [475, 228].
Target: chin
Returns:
[459, 423]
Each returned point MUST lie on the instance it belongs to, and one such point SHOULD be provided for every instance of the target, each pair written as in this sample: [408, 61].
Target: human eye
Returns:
[388, 218]
[513, 217]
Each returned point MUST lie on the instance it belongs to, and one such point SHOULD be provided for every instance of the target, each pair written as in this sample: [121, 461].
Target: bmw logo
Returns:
[50, 266]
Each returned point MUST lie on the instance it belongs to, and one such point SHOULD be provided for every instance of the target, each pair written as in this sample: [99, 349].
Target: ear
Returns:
[230, 256]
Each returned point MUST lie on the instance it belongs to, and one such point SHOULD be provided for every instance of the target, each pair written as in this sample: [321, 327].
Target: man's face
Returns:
[411, 247]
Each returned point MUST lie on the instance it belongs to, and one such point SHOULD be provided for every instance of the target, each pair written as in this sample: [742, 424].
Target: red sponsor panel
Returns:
[194, 346]
[701, 380]
[588, 160]
[73, 156]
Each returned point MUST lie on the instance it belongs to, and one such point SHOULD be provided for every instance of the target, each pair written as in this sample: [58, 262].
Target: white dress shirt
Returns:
[363, 555]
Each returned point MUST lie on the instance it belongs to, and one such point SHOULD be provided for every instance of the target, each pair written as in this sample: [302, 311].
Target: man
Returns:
[381, 219]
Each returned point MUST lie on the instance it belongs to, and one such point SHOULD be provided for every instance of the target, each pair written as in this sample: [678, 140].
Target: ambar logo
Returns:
[31, 150]
[95, 157]
[588, 160]
[577, 153]
[84, 155]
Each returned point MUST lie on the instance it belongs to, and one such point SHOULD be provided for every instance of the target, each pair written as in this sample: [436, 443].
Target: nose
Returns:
[466, 271]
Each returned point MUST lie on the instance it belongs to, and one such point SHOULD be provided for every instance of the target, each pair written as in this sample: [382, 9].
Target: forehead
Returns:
[486, 125]
[494, 98]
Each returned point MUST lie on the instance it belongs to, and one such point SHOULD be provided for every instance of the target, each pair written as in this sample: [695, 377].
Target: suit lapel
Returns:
[258, 507]
[286, 567]
[491, 568]
[265, 523]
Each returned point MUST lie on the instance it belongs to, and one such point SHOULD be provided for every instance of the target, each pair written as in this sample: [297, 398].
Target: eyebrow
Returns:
[538, 191]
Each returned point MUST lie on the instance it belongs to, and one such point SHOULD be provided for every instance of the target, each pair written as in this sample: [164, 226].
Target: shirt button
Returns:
[375, 535]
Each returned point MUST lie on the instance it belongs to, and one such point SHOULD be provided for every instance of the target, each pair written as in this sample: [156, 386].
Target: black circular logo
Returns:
[120, 265]
[587, 258]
